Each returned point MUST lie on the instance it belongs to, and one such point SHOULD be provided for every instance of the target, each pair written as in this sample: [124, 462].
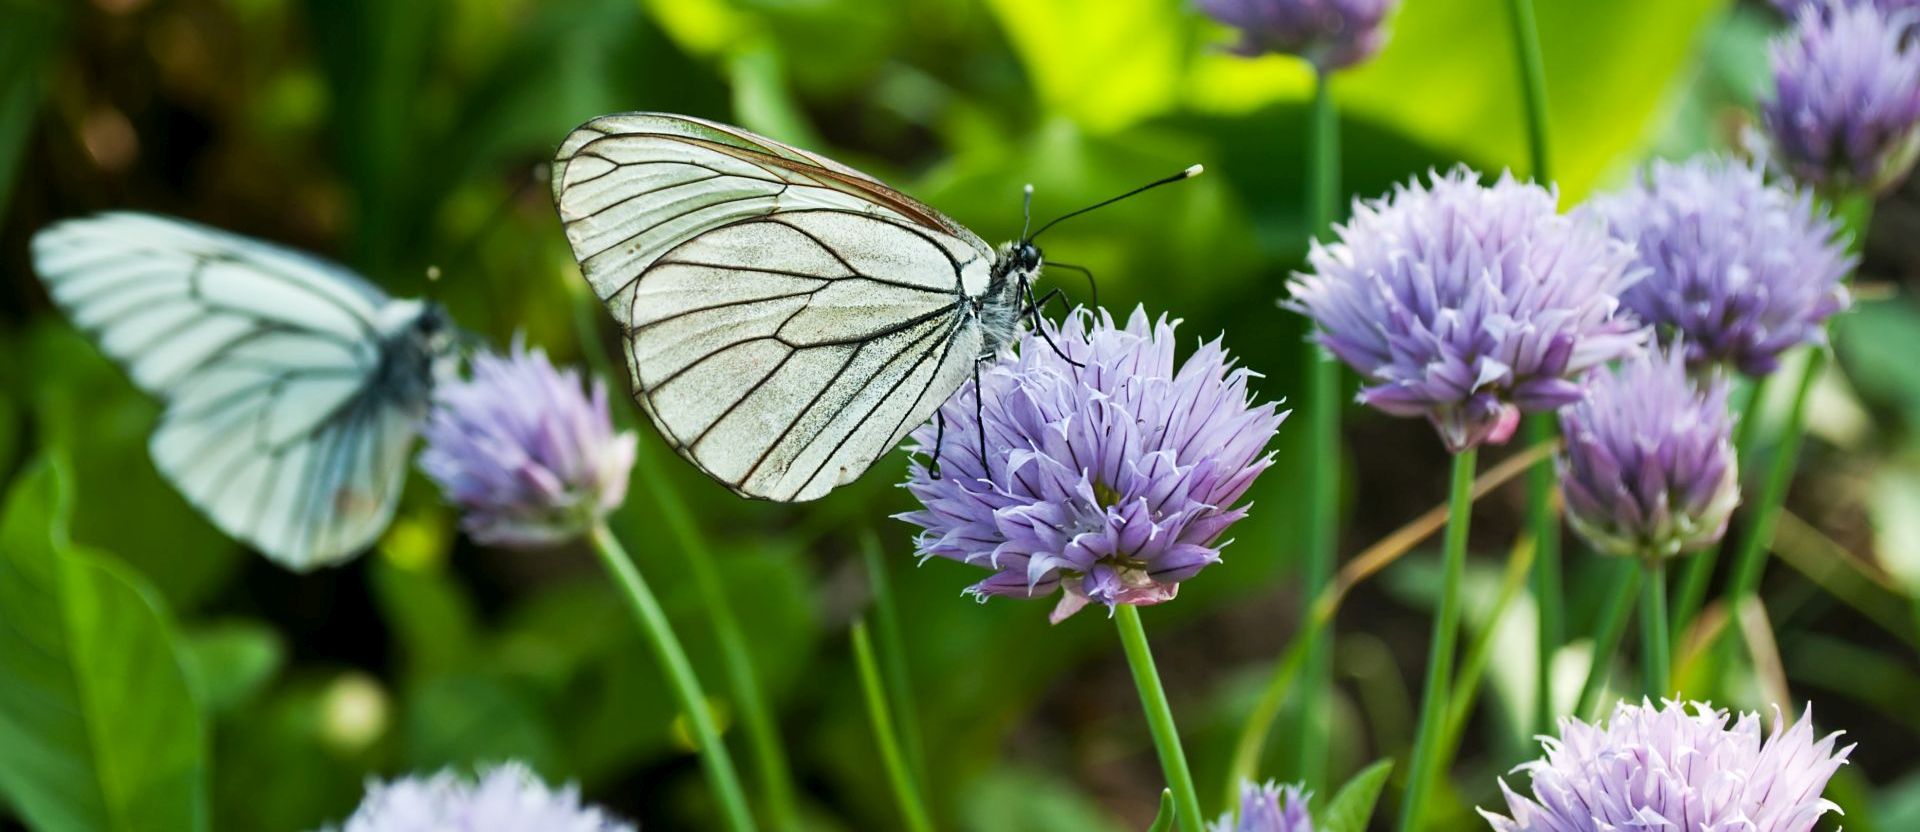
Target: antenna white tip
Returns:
[433, 273]
[1029, 189]
[1194, 171]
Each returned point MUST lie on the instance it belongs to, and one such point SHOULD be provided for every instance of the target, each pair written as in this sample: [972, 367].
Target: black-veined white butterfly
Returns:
[292, 388]
[787, 319]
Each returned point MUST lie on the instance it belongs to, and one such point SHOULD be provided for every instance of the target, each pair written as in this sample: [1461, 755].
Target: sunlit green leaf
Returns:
[98, 728]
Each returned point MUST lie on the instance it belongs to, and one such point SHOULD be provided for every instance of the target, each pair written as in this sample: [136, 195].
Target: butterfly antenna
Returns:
[1189, 173]
[1026, 212]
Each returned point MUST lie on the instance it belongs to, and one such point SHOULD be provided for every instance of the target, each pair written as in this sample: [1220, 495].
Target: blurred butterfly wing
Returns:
[266, 362]
[787, 319]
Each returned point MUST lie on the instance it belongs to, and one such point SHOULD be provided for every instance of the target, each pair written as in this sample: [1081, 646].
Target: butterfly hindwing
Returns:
[787, 319]
[267, 362]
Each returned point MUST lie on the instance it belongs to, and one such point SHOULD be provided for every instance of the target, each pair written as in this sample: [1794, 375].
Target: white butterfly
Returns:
[787, 319]
[293, 389]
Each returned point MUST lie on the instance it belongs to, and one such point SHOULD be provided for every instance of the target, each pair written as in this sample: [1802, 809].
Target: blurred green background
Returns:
[395, 136]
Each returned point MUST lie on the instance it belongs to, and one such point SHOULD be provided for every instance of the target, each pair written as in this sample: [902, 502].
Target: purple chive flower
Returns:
[1333, 34]
[1739, 269]
[525, 451]
[1267, 808]
[1648, 468]
[1845, 111]
[1676, 769]
[508, 798]
[1468, 304]
[1792, 8]
[1112, 481]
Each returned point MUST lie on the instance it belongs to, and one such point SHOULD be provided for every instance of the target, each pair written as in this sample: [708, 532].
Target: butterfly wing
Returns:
[278, 424]
[787, 319]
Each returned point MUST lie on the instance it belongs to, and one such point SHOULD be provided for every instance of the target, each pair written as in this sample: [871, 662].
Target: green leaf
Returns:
[85, 407]
[1446, 76]
[231, 662]
[1352, 807]
[1163, 819]
[98, 727]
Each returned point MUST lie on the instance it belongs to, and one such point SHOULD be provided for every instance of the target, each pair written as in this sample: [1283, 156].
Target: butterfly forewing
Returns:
[787, 318]
[266, 361]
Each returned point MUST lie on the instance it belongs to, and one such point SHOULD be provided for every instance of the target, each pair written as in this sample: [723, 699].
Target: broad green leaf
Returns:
[1106, 64]
[1446, 77]
[1352, 806]
[231, 662]
[98, 727]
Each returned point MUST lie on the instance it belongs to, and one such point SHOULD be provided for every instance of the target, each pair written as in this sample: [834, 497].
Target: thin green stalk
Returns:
[1656, 664]
[904, 791]
[1427, 762]
[1751, 555]
[893, 659]
[686, 687]
[1542, 521]
[1153, 699]
[1466, 687]
[770, 759]
[1533, 84]
[1606, 642]
[1698, 572]
[1323, 431]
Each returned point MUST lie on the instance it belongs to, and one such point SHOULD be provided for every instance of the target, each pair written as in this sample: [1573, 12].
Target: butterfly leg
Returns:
[939, 441]
[980, 419]
[1033, 314]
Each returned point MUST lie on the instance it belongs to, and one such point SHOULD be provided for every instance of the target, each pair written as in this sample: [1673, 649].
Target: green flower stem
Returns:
[1153, 699]
[893, 659]
[1427, 763]
[1323, 435]
[686, 687]
[904, 791]
[1656, 664]
[1751, 555]
[1699, 569]
[1473, 667]
[770, 759]
[1543, 521]
[1606, 642]
[1533, 84]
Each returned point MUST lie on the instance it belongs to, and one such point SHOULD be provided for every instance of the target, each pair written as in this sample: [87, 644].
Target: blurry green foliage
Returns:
[397, 136]
[99, 729]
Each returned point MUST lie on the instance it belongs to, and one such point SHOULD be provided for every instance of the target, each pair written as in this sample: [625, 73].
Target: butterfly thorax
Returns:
[999, 309]
[418, 341]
